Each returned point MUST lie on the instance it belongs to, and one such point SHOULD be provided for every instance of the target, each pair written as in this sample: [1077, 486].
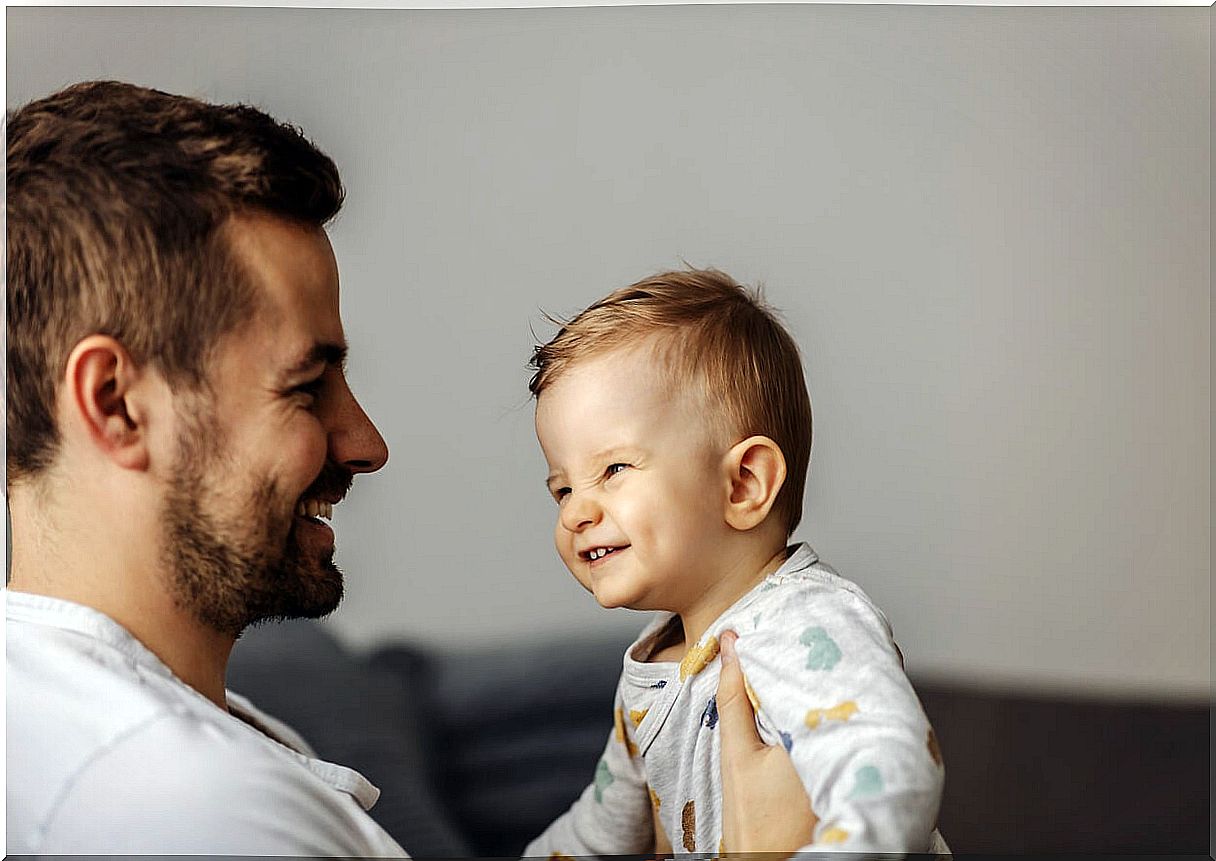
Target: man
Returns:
[179, 428]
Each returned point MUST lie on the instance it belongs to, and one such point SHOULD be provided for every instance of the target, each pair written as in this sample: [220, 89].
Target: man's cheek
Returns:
[310, 453]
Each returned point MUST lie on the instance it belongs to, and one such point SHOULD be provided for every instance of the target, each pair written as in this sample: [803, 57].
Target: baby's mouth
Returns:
[597, 553]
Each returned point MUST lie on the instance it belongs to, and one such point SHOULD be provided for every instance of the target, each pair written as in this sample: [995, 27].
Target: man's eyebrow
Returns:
[321, 353]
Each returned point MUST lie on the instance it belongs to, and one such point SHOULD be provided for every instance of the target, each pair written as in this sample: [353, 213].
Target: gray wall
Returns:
[987, 227]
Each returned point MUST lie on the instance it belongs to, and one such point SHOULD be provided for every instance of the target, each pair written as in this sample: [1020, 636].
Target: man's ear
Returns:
[756, 472]
[100, 387]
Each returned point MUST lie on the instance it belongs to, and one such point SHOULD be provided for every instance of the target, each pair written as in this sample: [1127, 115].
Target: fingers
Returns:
[737, 720]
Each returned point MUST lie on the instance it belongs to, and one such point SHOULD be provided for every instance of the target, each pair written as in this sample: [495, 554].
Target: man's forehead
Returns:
[291, 264]
[296, 324]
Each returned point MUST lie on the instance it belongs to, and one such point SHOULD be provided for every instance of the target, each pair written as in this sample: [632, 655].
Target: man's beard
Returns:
[234, 569]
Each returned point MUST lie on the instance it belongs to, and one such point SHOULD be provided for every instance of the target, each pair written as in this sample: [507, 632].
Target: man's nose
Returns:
[580, 511]
[354, 441]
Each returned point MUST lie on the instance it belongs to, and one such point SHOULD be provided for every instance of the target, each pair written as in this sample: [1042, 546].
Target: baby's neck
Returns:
[716, 600]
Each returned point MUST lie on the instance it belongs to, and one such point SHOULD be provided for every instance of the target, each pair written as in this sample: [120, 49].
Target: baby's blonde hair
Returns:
[715, 334]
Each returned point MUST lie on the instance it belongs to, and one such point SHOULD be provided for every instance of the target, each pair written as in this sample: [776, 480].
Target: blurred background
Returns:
[987, 228]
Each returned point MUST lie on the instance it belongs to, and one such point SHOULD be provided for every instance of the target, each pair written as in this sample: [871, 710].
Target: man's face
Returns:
[274, 444]
[635, 470]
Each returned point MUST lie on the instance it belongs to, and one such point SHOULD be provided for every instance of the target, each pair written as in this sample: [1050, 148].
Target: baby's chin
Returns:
[603, 593]
[612, 593]
[609, 602]
[613, 599]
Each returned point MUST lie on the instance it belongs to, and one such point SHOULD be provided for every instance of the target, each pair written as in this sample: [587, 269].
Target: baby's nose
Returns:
[579, 512]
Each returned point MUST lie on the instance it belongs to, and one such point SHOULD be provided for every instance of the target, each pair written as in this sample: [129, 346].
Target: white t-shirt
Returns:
[110, 753]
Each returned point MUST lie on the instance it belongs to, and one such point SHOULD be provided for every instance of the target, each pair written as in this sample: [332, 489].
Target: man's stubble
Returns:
[235, 568]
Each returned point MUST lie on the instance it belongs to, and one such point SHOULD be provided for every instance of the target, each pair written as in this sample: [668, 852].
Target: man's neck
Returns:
[196, 654]
[126, 583]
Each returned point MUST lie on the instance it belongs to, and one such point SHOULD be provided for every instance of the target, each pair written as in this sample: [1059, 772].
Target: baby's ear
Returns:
[756, 472]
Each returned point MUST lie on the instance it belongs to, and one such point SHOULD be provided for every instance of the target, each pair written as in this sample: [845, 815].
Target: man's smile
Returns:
[312, 514]
[315, 508]
[317, 504]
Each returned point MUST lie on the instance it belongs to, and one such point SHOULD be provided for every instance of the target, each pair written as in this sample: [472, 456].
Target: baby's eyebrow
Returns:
[614, 452]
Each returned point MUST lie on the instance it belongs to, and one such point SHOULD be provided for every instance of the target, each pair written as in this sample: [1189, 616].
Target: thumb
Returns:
[737, 720]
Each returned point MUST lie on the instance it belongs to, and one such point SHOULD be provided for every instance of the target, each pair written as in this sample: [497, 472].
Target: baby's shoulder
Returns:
[816, 590]
[811, 607]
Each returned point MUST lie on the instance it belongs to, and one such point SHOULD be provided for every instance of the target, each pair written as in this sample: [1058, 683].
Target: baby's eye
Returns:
[560, 494]
[616, 468]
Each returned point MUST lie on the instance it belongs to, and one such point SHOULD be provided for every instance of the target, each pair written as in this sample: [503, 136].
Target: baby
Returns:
[677, 429]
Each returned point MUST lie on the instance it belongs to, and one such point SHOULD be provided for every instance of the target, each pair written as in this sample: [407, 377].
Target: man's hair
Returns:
[117, 200]
[712, 333]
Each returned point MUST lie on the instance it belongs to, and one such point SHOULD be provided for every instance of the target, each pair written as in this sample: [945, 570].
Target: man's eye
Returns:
[616, 468]
[309, 390]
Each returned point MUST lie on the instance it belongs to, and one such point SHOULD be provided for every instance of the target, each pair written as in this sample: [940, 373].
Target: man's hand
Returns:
[764, 805]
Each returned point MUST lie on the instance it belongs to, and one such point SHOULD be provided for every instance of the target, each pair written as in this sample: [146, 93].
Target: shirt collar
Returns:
[70, 616]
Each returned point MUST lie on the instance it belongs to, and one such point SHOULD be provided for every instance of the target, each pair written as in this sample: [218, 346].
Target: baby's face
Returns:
[638, 479]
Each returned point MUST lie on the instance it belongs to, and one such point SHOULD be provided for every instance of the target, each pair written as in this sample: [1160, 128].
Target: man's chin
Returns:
[302, 585]
[318, 589]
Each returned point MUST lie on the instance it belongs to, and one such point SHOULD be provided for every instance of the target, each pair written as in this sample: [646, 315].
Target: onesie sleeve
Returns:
[827, 682]
[613, 816]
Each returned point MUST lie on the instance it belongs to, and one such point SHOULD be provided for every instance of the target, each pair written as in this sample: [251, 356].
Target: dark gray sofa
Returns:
[473, 759]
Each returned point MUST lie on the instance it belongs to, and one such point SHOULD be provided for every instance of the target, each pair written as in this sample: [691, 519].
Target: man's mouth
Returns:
[315, 509]
[319, 498]
[595, 554]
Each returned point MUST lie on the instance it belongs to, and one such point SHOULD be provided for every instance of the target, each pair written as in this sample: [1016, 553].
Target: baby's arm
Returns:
[829, 685]
[613, 816]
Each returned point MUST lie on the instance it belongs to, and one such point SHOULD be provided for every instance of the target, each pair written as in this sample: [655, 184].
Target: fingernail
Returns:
[727, 646]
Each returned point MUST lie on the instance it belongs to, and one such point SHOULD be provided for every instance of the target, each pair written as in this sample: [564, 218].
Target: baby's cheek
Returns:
[565, 549]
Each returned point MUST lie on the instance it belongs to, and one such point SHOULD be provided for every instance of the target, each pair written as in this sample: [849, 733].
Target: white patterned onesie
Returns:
[827, 682]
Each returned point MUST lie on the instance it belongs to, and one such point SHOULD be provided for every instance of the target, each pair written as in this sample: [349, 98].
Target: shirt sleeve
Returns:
[172, 788]
[613, 816]
[828, 683]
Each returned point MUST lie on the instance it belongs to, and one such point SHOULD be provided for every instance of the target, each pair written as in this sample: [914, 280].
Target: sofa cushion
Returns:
[520, 728]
